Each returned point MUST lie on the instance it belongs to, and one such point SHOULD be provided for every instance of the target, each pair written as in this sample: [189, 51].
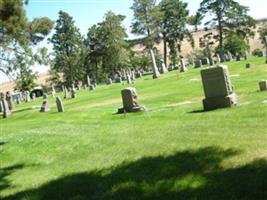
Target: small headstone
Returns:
[138, 74]
[129, 80]
[44, 106]
[248, 65]
[217, 87]
[130, 101]
[65, 91]
[218, 58]
[9, 101]
[88, 81]
[18, 100]
[183, 66]
[92, 87]
[118, 80]
[60, 106]
[33, 96]
[197, 63]
[205, 61]
[108, 81]
[163, 68]
[263, 85]
[5, 109]
[170, 68]
[27, 96]
[238, 57]
[73, 91]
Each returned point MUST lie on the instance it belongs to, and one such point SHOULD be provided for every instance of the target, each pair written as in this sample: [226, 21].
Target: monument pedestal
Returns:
[220, 102]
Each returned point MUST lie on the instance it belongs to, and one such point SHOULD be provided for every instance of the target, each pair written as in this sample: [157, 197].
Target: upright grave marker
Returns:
[217, 88]
[6, 111]
[130, 101]
[60, 106]
[263, 85]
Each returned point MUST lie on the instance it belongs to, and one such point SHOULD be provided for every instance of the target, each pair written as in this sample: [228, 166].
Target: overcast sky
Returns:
[89, 12]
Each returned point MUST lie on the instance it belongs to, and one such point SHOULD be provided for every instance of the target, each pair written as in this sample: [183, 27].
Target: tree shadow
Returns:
[5, 172]
[195, 174]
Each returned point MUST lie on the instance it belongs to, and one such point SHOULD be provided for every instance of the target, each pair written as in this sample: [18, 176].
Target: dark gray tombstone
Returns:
[238, 57]
[197, 63]
[248, 65]
[130, 101]
[5, 109]
[217, 88]
[33, 96]
[45, 96]
[27, 96]
[108, 81]
[44, 106]
[73, 91]
[263, 85]
[205, 61]
[60, 106]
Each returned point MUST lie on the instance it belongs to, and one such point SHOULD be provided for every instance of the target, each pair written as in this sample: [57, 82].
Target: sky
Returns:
[89, 12]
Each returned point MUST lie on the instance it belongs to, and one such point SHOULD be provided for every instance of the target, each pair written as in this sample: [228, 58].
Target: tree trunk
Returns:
[165, 49]
[220, 35]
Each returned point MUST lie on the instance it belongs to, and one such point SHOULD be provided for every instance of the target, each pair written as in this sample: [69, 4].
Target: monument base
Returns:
[136, 109]
[219, 102]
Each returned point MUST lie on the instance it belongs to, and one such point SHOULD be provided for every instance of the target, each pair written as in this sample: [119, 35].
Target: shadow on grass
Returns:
[195, 174]
[22, 110]
[4, 173]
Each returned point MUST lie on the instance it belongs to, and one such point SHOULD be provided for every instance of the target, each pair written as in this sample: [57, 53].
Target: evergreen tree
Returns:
[66, 45]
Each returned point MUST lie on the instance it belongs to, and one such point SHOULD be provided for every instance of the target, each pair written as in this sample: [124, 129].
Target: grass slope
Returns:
[173, 151]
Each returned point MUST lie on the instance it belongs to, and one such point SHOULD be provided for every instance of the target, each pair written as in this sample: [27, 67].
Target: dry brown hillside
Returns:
[186, 48]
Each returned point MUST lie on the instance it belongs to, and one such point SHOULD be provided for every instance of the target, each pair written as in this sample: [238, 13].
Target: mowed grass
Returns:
[172, 151]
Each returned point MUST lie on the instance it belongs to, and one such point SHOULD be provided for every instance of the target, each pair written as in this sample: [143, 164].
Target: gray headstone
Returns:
[163, 68]
[73, 91]
[44, 106]
[108, 81]
[183, 66]
[205, 61]
[9, 101]
[129, 80]
[33, 96]
[65, 92]
[60, 106]
[156, 73]
[5, 109]
[197, 63]
[238, 58]
[27, 96]
[130, 101]
[263, 85]
[217, 88]
[53, 90]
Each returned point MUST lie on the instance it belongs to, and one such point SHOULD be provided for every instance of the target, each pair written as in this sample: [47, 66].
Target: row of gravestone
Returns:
[216, 83]
[217, 87]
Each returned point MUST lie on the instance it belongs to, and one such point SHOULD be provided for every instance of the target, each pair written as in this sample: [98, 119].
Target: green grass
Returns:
[172, 151]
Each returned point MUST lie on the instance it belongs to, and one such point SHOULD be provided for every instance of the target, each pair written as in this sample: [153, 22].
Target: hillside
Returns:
[172, 151]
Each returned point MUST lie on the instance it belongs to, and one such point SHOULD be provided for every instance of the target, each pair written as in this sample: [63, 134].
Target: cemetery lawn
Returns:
[172, 151]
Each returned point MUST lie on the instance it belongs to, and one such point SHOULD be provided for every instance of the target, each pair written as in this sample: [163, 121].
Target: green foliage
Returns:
[263, 35]
[147, 17]
[228, 16]
[25, 77]
[173, 26]
[235, 44]
[66, 45]
[195, 20]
